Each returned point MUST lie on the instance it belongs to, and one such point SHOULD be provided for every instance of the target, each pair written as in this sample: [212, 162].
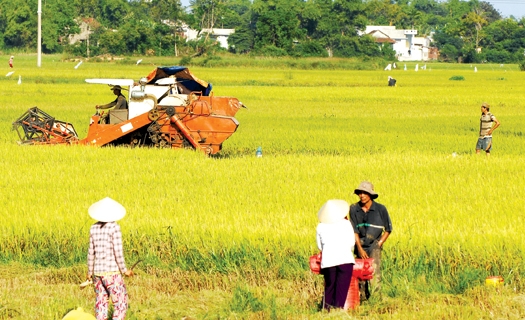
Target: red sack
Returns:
[315, 263]
[352, 298]
[364, 269]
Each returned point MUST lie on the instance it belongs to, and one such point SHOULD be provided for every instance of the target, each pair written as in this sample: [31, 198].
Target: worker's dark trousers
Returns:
[337, 282]
[366, 287]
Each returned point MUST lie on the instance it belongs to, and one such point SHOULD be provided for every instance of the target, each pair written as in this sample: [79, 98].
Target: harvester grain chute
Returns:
[170, 108]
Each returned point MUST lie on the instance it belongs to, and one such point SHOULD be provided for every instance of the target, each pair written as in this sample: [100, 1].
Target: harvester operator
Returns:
[372, 226]
[120, 103]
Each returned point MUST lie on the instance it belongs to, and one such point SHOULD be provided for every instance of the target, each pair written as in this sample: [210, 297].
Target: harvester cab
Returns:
[170, 108]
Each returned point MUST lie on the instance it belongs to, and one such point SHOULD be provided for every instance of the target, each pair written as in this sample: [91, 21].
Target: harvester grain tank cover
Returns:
[183, 76]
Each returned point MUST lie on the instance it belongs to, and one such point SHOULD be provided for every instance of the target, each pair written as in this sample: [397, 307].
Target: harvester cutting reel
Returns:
[40, 128]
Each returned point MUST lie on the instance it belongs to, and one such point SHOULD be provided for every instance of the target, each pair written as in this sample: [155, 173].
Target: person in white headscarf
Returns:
[391, 81]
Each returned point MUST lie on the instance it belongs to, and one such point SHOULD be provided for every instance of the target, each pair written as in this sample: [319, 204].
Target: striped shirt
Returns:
[105, 248]
[485, 124]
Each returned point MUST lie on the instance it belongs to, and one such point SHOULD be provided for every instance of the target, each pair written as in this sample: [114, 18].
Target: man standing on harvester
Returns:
[486, 129]
[372, 226]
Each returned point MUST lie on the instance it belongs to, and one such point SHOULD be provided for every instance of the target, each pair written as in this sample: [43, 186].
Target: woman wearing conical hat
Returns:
[336, 241]
[106, 259]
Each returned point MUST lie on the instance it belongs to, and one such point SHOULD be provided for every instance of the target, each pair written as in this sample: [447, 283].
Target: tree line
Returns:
[464, 31]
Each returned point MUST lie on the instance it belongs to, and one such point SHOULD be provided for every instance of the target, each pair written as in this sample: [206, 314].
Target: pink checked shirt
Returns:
[105, 248]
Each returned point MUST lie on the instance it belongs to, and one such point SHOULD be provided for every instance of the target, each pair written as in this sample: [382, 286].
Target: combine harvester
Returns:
[170, 108]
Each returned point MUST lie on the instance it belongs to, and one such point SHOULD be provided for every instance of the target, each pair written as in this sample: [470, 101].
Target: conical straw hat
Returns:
[107, 210]
[333, 211]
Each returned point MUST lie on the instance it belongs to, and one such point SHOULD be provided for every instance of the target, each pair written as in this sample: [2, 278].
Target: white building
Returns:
[86, 26]
[407, 46]
[219, 35]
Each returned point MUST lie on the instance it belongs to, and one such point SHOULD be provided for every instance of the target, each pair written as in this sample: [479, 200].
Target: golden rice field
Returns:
[229, 236]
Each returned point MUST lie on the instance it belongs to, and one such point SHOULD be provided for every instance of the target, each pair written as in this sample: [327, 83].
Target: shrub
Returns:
[499, 56]
[449, 53]
[209, 61]
[457, 78]
[272, 51]
[185, 61]
[310, 48]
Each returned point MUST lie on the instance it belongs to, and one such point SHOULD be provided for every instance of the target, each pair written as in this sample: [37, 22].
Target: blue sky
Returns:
[506, 7]
[509, 7]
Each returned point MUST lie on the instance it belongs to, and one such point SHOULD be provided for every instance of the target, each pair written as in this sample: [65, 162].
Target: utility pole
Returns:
[88, 40]
[39, 41]
[175, 37]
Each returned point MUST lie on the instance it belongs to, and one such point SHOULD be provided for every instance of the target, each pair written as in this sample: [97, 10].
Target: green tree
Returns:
[113, 42]
[89, 8]
[470, 27]
[20, 25]
[499, 31]
[110, 13]
[166, 9]
[243, 40]
[235, 13]
[337, 25]
[277, 23]
[382, 12]
[491, 14]
[206, 13]
[413, 15]
[57, 24]
[449, 45]
[430, 7]
[456, 9]
[114, 12]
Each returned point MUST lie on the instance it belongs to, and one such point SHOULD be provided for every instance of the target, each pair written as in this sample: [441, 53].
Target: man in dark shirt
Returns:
[120, 103]
[372, 226]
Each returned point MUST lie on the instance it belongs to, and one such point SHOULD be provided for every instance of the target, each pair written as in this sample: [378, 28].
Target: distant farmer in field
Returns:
[106, 259]
[120, 103]
[11, 61]
[336, 242]
[391, 81]
[372, 226]
[486, 129]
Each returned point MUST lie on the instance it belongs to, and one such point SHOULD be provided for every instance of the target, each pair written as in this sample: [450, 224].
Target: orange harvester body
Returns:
[168, 111]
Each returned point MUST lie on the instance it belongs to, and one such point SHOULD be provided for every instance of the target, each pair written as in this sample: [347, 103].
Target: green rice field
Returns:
[229, 236]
